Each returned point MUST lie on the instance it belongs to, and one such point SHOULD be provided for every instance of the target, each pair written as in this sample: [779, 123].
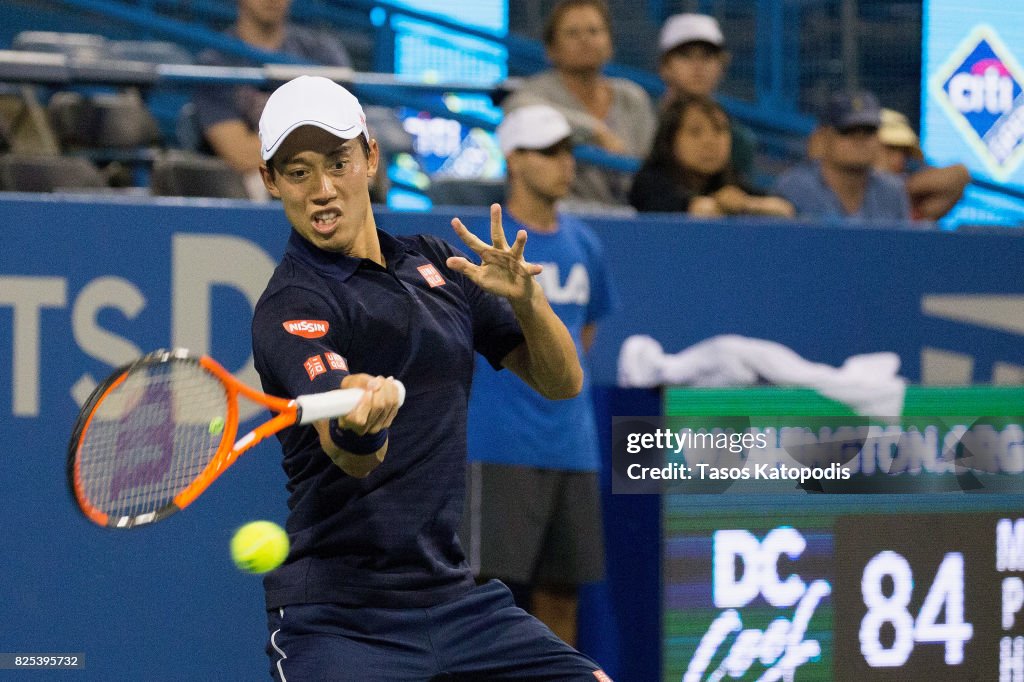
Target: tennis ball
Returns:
[216, 426]
[259, 546]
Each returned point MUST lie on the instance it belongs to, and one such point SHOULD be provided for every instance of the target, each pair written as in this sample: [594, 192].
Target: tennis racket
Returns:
[157, 432]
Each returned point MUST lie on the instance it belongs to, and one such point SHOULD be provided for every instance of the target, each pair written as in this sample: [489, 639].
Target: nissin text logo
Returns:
[980, 88]
[310, 329]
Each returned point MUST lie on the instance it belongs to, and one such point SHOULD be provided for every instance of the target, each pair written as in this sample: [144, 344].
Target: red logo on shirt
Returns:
[335, 361]
[308, 329]
[430, 273]
[314, 367]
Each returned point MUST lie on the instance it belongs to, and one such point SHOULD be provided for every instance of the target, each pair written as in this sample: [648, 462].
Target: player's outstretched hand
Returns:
[502, 271]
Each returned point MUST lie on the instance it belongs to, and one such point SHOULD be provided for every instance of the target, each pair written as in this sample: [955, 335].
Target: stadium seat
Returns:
[118, 120]
[77, 45]
[5, 135]
[459, 192]
[387, 128]
[184, 174]
[154, 51]
[29, 173]
[187, 132]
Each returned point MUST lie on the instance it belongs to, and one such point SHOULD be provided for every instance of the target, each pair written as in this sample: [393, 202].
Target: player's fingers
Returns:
[497, 231]
[383, 402]
[358, 417]
[470, 239]
[533, 268]
[365, 415]
[460, 264]
[389, 404]
[519, 246]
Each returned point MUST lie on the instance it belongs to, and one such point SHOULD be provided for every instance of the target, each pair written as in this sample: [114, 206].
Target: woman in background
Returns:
[614, 114]
[688, 169]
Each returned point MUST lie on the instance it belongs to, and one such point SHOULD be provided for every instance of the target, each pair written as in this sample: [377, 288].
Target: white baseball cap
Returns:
[680, 29]
[534, 126]
[310, 101]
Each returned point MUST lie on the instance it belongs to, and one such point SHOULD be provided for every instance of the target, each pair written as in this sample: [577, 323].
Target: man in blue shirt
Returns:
[844, 182]
[533, 517]
[375, 586]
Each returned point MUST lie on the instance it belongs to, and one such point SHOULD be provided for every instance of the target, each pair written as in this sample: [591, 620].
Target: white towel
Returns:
[868, 383]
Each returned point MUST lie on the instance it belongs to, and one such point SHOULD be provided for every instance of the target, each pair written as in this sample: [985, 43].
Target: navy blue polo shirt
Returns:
[387, 540]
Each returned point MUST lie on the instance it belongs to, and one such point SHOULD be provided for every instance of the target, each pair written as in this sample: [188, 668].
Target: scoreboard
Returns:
[851, 597]
[865, 587]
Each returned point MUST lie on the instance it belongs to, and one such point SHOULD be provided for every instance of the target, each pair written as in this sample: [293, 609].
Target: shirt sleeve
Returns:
[496, 332]
[298, 343]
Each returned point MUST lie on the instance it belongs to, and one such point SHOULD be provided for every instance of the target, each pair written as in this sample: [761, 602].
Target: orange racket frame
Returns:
[301, 410]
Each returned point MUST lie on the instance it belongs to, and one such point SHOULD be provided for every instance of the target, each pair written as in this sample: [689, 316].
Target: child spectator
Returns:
[693, 61]
[689, 166]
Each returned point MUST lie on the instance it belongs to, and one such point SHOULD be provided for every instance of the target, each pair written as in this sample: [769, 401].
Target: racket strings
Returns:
[151, 437]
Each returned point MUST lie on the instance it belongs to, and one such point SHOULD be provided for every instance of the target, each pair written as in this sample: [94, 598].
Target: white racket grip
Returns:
[337, 403]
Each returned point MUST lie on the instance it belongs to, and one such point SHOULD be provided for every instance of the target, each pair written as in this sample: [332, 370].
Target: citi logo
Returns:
[309, 329]
[987, 87]
[980, 88]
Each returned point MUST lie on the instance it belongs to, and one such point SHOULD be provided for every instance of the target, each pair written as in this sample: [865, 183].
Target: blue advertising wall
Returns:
[86, 284]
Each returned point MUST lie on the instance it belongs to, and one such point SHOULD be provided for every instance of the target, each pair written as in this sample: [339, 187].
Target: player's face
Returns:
[323, 183]
[546, 173]
[582, 41]
[694, 69]
[703, 142]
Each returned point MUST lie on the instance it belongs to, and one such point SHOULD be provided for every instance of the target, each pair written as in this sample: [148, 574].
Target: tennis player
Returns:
[376, 586]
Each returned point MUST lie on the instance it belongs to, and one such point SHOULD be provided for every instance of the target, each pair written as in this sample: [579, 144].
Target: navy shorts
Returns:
[479, 636]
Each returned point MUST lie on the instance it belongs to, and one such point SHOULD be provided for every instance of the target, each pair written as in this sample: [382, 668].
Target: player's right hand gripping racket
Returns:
[157, 432]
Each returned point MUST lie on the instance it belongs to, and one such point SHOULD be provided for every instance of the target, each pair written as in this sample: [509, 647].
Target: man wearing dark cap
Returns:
[843, 183]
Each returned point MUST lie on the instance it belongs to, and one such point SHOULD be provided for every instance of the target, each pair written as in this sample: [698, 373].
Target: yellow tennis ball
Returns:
[259, 546]
[216, 426]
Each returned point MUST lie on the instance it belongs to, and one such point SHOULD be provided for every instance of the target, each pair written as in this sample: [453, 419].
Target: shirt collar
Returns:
[341, 265]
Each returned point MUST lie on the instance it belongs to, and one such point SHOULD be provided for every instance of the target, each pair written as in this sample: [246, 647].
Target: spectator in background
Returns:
[693, 62]
[844, 182]
[689, 167]
[933, 190]
[612, 113]
[229, 115]
[533, 516]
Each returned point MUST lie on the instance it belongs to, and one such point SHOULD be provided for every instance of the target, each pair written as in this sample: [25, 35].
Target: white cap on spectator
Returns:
[534, 126]
[680, 29]
[310, 101]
